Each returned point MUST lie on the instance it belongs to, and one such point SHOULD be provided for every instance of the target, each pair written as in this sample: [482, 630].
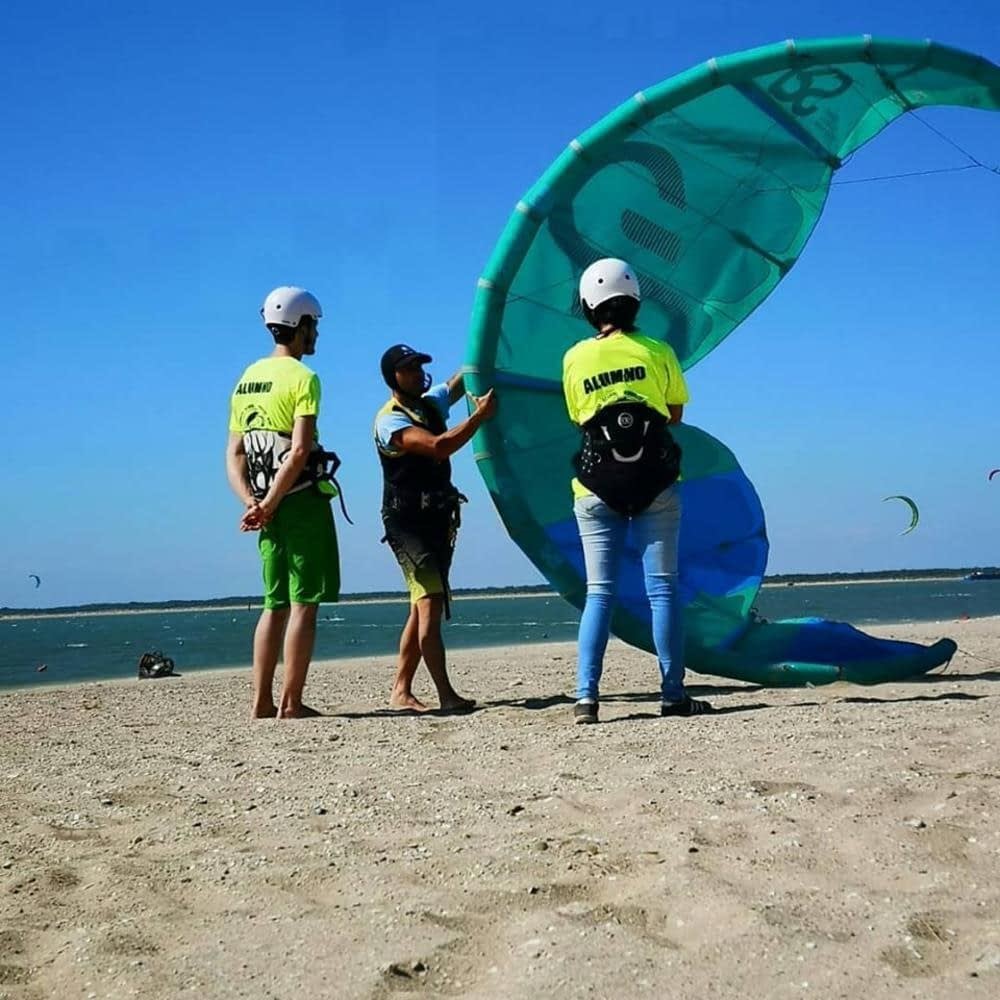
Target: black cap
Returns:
[399, 356]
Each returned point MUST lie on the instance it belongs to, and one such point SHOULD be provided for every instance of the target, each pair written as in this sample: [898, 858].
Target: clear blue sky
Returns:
[166, 165]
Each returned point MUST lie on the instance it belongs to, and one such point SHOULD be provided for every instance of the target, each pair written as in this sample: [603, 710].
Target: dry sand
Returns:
[831, 842]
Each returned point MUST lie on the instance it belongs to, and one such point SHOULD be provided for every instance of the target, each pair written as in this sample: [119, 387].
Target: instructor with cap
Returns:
[277, 468]
[420, 509]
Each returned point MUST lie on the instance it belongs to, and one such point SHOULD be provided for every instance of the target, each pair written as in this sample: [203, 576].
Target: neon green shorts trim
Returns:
[299, 553]
[422, 581]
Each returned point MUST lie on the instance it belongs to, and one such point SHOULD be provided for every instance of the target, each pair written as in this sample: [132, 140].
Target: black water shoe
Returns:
[688, 707]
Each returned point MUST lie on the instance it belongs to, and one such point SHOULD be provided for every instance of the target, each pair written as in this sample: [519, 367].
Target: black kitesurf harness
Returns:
[266, 451]
[421, 509]
[629, 456]
[325, 470]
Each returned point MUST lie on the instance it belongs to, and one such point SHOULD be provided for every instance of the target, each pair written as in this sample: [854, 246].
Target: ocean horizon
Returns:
[241, 601]
[86, 646]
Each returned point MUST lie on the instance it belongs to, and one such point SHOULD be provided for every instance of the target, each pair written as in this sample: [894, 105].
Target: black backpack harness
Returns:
[629, 456]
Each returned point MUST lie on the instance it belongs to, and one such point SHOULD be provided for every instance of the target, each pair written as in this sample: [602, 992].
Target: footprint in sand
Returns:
[62, 878]
[128, 943]
[14, 975]
[926, 952]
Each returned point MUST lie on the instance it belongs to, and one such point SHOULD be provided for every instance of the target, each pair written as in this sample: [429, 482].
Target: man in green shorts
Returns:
[277, 468]
[420, 509]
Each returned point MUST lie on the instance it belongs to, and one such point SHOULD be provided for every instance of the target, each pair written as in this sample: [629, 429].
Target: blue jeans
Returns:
[656, 532]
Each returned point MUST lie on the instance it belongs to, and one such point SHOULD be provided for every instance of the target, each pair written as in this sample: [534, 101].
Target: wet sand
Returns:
[828, 842]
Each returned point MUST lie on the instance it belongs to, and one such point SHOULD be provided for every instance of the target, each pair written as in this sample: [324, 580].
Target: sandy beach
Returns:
[830, 842]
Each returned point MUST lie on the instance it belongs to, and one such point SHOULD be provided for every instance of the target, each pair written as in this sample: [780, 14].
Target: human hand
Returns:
[250, 521]
[485, 406]
[256, 516]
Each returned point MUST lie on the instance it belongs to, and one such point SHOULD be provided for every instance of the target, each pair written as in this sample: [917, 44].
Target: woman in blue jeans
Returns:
[624, 390]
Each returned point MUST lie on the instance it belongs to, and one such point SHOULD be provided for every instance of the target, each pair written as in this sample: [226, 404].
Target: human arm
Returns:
[419, 441]
[236, 469]
[567, 385]
[676, 386]
[303, 436]
[456, 388]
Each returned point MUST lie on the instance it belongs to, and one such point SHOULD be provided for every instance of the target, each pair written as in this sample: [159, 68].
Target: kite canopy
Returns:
[709, 184]
[914, 512]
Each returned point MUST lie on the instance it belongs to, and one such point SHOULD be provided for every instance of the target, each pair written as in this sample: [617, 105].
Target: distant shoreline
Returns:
[255, 605]
[862, 579]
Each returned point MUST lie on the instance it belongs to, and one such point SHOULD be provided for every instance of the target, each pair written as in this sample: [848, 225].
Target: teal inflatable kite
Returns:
[914, 511]
[709, 184]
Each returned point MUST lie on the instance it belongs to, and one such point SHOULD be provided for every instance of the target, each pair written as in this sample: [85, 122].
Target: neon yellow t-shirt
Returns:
[620, 368]
[271, 393]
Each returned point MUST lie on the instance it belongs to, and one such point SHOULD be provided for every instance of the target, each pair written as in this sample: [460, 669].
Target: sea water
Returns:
[90, 647]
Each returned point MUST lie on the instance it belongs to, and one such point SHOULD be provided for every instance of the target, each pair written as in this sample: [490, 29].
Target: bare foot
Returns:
[263, 711]
[299, 712]
[456, 703]
[406, 703]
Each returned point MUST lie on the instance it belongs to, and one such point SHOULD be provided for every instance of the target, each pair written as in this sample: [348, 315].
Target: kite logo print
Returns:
[806, 86]
[253, 416]
[640, 231]
[648, 235]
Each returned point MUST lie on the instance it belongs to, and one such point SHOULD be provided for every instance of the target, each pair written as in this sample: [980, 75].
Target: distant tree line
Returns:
[879, 574]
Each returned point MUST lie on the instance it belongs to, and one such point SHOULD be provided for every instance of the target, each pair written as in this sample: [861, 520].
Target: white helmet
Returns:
[606, 279]
[286, 305]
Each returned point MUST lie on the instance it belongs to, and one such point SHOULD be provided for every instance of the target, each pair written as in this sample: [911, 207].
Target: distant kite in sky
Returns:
[992, 474]
[37, 579]
[914, 512]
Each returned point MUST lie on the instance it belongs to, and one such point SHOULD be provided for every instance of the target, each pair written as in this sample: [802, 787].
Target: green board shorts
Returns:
[299, 553]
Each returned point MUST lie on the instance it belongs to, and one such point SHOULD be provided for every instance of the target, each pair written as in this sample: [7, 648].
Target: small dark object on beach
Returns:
[154, 664]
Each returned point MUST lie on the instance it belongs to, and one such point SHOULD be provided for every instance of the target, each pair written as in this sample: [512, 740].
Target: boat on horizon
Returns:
[983, 574]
